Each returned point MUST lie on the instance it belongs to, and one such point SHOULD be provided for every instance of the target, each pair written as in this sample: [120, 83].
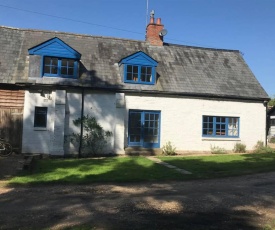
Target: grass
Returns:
[140, 169]
[204, 167]
[112, 169]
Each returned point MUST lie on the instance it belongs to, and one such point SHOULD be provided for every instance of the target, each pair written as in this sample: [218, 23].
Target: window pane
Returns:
[47, 60]
[64, 71]
[40, 117]
[54, 61]
[233, 129]
[47, 69]
[54, 70]
[71, 71]
[135, 69]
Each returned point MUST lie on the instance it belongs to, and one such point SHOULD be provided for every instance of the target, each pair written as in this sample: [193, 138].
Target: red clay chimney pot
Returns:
[158, 21]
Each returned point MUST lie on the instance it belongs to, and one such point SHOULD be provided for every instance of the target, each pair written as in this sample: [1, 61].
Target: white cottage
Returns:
[145, 92]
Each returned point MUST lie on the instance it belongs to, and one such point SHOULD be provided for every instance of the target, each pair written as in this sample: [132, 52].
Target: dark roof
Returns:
[181, 69]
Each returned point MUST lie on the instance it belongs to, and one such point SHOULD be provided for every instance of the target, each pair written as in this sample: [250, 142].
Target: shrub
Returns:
[239, 148]
[260, 148]
[94, 138]
[168, 149]
[272, 140]
[217, 150]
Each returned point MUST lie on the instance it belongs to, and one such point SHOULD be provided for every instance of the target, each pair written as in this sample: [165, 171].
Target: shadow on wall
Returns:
[11, 124]
[98, 103]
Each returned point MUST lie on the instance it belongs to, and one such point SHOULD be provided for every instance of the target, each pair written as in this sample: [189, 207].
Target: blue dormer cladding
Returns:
[139, 68]
[58, 59]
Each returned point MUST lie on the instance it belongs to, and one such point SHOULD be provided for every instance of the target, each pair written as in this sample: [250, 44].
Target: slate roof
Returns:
[182, 70]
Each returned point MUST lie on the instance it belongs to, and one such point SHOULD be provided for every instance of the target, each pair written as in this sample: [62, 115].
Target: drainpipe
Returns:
[81, 124]
[265, 104]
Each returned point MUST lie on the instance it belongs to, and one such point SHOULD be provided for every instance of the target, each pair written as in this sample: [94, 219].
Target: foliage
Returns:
[168, 149]
[94, 138]
[217, 150]
[260, 148]
[272, 140]
[272, 101]
[239, 148]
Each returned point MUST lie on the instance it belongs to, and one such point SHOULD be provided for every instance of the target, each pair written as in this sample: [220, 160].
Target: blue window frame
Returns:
[139, 68]
[40, 117]
[139, 74]
[144, 128]
[219, 126]
[62, 67]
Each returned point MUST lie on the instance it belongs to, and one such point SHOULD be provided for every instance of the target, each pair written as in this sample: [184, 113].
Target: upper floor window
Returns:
[139, 68]
[215, 126]
[60, 67]
[272, 122]
[139, 74]
[57, 59]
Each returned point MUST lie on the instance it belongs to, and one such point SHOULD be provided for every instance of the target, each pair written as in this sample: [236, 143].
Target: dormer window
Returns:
[139, 68]
[57, 59]
[60, 67]
[139, 74]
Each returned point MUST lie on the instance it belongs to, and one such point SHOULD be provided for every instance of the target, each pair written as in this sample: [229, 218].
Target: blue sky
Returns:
[245, 25]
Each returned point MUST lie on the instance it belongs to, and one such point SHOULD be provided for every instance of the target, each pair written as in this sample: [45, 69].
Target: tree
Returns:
[272, 101]
[94, 138]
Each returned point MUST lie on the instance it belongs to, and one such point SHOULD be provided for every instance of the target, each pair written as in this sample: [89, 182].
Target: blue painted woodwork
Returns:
[54, 54]
[55, 48]
[144, 128]
[219, 126]
[139, 68]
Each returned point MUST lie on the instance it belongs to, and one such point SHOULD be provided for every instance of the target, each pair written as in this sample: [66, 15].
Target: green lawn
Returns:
[111, 169]
[137, 169]
[215, 166]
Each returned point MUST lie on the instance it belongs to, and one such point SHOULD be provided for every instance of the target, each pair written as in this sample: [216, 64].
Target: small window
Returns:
[40, 117]
[60, 67]
[214, 126]
[272, 122]
[139, 74]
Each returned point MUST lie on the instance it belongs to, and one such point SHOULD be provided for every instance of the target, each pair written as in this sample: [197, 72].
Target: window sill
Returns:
[221, 139]
[39, 129]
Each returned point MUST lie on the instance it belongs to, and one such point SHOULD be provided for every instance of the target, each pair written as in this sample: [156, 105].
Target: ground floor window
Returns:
[40, 117]
[219, 126]
[272, 122]
[144, 128]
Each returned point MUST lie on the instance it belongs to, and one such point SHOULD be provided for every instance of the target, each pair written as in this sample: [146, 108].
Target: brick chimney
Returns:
[153, 31]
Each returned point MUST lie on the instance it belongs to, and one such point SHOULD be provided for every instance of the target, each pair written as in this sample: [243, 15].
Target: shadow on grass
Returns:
[81, 171]
[216, 166]
[151, 205]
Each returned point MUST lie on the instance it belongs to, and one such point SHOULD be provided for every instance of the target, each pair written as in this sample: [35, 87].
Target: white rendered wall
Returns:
[181, 121]
[103, 107]
[37, 140]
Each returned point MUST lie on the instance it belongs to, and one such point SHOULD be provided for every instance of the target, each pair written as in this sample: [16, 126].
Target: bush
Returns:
[272, 140]
[94, 138]
[217, 150]
[168, 149]
[260, 148]
[239, 148]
